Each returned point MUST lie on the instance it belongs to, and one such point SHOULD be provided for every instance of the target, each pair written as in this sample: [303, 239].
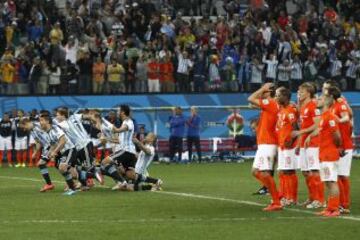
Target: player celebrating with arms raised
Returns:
[267, 142]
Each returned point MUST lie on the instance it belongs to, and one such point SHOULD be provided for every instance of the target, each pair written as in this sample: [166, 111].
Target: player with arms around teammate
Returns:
[343, 113]
[125, 156]
[329, 154]
[286, 124]
[62, 150]
[309, 157]
[267, 142]
[145, 157]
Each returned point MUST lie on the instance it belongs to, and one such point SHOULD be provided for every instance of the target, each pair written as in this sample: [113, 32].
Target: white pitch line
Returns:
[191, 195]
[153, 220]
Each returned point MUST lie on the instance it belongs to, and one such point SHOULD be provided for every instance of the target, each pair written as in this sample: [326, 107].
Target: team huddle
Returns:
[314, 136]
[65, 141]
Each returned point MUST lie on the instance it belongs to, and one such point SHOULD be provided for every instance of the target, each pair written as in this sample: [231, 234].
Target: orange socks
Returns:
[308, 184]
[333, 203]
[9, 157]
[344, 187]
[281, 184]
[271, 186]
[269, 183]
[294, 186]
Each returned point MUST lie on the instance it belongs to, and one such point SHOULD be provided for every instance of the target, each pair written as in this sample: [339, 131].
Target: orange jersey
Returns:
[338, 109]
[267, 122]
[287, 117]
[307, 114]
[328, 151]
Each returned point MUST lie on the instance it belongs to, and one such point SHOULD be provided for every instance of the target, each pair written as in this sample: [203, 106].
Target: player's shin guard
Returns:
[45, 173]
[111, 171]
[82, 176]
[294, 186]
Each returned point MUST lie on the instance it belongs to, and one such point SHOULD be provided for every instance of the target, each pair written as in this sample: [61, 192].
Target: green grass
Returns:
[102, 214]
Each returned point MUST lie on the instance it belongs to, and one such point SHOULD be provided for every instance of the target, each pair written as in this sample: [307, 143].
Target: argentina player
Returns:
[73, 128]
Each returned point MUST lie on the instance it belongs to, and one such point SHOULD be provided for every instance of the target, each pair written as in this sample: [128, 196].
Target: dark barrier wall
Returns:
[213, 124]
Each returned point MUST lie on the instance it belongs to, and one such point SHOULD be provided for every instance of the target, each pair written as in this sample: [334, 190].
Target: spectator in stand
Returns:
[141, 75]
[214, 74]
[115, 73]
[256, 79]
[130, 80]
[177, 130]
[153, 69]
[284, 73]
[296, 73]
[54, 78]
[199, 71]
[34, 75]
[193, 133]
[183, 71]
[229, 76]
[98, 75]
[43, 84]
[8, 72]
[166, 71]
[84, 64]
[271, 67]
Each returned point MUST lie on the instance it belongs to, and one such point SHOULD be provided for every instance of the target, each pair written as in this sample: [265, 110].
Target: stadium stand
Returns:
[103, 46]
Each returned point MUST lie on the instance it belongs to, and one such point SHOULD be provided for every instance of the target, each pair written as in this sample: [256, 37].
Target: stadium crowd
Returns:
[124, 46]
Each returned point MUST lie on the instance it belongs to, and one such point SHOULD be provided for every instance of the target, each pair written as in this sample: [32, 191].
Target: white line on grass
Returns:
[152, 220]
[191, 195]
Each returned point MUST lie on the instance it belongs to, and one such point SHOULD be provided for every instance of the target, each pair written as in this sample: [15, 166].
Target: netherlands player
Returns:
[5, 139]
[342, 111]
[286, 124]
[42, 144]
[63, 151]
[309, 157]
[145, 158]
[267, 142]
[329, 154]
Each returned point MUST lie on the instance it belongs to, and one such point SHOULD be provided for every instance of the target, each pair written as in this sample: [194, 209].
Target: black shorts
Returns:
[85, 156]
[126, 159]
[68, 158]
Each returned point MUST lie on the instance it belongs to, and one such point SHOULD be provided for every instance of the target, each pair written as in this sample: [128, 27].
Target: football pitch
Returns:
[198, 201]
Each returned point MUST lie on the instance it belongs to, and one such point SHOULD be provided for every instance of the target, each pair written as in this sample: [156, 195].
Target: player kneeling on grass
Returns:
[145, 157]
[286, 124]
[267, 142]
[329, 153]
[42, 143]
[62, 150]
[342, 110]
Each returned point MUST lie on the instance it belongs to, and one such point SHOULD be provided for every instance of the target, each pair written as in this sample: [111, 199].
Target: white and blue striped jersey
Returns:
[125, 138]
[55, 133]
[40, 135]
[107, 129]
[144, 160]
[76, 132]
